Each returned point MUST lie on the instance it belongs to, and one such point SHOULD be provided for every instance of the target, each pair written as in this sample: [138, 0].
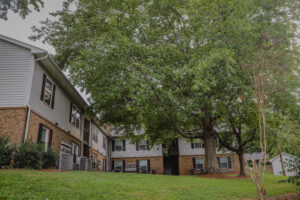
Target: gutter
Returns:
[28, 105]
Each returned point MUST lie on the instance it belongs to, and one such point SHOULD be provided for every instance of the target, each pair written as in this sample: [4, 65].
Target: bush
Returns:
[49, 159]
[28, 155]
[6, 150]
[295, 166]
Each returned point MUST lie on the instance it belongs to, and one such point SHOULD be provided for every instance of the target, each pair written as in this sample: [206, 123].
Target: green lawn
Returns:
[94, 185]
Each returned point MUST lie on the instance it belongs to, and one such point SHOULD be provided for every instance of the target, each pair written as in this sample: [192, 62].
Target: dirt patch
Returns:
[290, 196]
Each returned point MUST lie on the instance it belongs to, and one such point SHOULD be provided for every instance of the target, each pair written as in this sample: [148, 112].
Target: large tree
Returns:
[22, 7]
[167, 68]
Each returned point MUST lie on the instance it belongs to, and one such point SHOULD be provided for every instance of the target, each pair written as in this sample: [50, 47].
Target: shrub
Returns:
[6, 150]
[295, 166]
[49, 159]
[28, 155]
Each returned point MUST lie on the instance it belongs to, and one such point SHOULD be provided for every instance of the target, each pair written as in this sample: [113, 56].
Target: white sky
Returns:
[18, 28]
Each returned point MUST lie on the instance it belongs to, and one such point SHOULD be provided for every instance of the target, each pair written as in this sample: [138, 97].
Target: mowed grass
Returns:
[29, 184]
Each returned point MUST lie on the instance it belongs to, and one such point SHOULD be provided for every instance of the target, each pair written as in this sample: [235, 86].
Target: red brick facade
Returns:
[59, 134]
[12, 123]
[156, 163]
[103, 160]
[186, 163]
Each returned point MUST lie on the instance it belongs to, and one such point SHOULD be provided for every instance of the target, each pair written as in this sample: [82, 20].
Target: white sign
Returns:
[66, 156]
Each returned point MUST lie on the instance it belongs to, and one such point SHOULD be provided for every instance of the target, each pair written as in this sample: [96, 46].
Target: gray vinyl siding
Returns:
[130, 151]
[61, 112]
[185, 148]
[98, 145]
[15, 74]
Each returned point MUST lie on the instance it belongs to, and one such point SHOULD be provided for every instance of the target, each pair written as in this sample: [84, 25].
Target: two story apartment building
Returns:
[179, 158]
[38, 103]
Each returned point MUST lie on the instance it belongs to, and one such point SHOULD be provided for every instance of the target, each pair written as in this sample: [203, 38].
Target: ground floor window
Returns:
[94, 160]
[118, 165]
[75, 151]
[199, 163]
[143, 166]
[99, 164]
[44, 137]
[224, 162]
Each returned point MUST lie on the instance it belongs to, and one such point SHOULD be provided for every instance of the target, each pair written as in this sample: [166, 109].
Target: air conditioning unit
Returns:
[83, 163]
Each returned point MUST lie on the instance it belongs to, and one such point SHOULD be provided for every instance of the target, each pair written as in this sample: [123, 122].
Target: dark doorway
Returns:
[86, 150]
[170, 158]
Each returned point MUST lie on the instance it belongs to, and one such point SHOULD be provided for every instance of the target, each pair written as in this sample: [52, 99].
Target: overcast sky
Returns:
[18, 28]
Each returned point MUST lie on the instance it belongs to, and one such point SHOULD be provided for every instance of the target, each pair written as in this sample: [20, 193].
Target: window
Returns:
[48, 91]
[142, 145]
[118, 145]
[199, 163]
[44, 137]
[223, 162]
[143, 166]
[95, 135]
[99, 165]
[118, 165]
[75, 151]
[94, 160]
[75, 116]
[104, 142]
[197, 144]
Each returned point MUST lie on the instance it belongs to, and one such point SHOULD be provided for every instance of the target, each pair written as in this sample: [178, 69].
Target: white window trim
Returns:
[198, 142]
[73, 144]
[121, 145]
[227, 165]
[118, 162]
[47, 131]
[140, 161]
[199, 163]
[75, 117]
[142, 143]
[45, 88]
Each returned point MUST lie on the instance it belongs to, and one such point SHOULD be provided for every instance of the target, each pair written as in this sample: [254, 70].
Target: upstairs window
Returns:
[104, 142]
[197, 144]
[95, 136]
[48, 91]
[118, 145]
[142, 145]
[74, 116]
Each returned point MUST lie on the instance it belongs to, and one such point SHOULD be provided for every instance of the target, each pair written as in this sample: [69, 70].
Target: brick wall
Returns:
[12, 123]
[101, 157]
[58, 136]
[156, 163]
[186, 163]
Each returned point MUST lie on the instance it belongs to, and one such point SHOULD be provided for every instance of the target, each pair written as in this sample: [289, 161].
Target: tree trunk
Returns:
[211, 163]
[281, 159]
[242, 163]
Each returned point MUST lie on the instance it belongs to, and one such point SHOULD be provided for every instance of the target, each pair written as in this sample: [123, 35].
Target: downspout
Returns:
[28, 105]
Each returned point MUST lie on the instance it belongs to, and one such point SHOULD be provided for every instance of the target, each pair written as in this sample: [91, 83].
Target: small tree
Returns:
[6, 150]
